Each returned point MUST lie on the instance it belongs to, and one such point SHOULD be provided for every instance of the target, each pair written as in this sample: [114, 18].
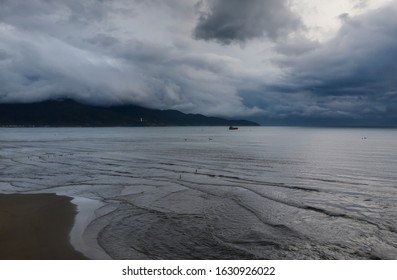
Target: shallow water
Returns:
[210, 193]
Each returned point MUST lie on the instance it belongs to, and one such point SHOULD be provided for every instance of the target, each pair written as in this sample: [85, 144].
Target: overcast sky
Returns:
[274, 61]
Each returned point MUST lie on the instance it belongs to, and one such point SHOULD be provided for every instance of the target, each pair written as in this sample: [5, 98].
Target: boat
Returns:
[233, 128]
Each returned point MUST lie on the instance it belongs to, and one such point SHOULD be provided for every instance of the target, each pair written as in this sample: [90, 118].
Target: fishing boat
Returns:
[233, 128]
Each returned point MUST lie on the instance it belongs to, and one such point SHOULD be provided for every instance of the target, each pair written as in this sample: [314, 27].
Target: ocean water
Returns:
[211, 193]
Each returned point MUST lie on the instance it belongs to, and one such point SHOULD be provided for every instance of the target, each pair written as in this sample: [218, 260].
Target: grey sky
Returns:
[282, 61]
[229, 21]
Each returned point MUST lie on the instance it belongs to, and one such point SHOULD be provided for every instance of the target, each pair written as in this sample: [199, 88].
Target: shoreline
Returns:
[81, 240]
[37, 227]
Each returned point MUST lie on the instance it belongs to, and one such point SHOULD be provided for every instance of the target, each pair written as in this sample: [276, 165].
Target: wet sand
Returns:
[264, 193]
[36, 227]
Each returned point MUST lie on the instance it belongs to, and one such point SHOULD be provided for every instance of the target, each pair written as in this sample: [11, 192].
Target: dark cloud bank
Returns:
[229, 21]
[52, 49]
[352, 79]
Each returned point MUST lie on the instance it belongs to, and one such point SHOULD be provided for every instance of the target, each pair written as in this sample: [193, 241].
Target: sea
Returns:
[210, 193]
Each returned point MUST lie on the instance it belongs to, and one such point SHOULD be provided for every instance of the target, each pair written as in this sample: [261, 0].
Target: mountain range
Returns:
[70, 113]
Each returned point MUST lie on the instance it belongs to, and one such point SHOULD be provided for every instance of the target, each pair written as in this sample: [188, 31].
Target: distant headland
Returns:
[70, 113]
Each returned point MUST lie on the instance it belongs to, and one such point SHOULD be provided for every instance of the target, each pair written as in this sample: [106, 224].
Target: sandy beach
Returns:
[36, 226]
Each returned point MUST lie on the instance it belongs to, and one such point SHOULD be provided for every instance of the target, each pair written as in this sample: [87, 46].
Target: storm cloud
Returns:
[143, 52]
[229, 21]
[355, 72]
[48, 51]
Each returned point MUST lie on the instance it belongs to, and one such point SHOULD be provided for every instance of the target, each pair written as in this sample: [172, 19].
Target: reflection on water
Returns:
[84, 243]
[208, 193]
